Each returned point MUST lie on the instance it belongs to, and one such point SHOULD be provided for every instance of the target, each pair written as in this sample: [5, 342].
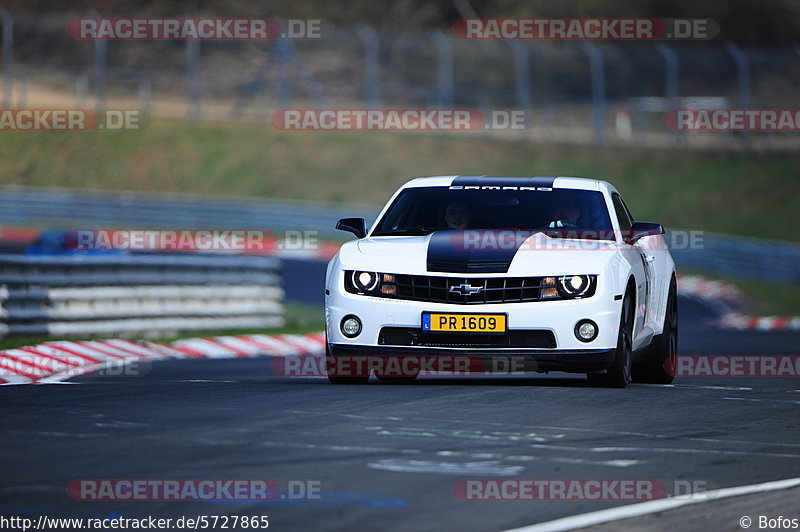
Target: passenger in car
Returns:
[567, 215]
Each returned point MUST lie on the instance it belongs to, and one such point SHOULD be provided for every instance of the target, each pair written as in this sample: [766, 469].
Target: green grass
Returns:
[736, 192]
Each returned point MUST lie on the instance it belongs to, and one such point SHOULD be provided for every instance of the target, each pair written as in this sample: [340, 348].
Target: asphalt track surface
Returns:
[387, 455]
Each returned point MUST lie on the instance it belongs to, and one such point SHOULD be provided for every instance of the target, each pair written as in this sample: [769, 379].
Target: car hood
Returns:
[477, 252]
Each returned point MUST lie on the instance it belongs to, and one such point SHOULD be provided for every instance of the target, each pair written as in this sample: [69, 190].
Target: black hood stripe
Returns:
[461, 252]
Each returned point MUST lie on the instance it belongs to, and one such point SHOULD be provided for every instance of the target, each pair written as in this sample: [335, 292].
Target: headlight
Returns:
[573, 285]
[365, 281]
[567, 286]
[371, 283]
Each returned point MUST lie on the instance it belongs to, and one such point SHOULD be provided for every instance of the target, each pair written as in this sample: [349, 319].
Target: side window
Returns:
[624, 217]
[627, 210]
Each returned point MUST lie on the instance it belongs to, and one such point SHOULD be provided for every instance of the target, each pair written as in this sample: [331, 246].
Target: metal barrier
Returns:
[722, 254]
[63, 207]
[147, 294]
[769, 260]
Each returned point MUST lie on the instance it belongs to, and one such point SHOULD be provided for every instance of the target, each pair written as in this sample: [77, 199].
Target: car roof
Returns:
[581, 183]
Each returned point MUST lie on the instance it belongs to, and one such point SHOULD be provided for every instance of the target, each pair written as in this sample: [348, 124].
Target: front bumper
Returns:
[559, 317]
[491, 360]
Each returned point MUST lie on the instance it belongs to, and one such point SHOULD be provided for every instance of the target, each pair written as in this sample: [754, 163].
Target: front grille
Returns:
[465, 290]
[409, 336]
[492, 289]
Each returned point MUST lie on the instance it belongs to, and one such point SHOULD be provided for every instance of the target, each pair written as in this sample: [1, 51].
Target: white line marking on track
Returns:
[649, 507]
[493, 468]
[674, 437]
[611, 463]
[71, 435]
[782, 401]
[650, 450]
[700, 387]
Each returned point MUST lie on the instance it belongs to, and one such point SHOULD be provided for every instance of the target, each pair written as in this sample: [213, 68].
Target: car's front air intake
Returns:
[409, 336]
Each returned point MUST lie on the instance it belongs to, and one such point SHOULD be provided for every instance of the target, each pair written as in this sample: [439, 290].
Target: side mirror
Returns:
[640, 229]
[357, 226]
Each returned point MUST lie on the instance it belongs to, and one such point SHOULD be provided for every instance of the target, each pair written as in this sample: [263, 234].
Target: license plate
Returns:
[456, 322]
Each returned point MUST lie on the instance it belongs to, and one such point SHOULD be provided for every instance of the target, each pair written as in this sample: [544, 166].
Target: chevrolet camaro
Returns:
[552, 273]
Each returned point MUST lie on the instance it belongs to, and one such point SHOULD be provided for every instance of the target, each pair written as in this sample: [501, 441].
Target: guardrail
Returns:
[771, 260]
[21, 206]
[147, 294]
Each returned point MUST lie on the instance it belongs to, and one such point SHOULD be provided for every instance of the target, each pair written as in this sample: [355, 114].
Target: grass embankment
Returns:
[744, 193]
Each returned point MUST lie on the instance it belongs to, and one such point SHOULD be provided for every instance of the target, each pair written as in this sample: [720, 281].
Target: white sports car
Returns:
[550, 271]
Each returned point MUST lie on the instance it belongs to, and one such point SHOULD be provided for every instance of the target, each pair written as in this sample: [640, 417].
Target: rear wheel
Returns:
[662, 358]
[619, 374]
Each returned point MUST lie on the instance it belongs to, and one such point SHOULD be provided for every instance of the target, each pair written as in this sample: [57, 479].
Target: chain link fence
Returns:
[571, 91]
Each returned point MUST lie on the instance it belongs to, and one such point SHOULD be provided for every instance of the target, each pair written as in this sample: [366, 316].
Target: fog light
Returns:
[586, 330]
[351, 326]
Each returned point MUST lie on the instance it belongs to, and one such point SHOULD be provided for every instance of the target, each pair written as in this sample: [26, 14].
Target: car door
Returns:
[647, 290]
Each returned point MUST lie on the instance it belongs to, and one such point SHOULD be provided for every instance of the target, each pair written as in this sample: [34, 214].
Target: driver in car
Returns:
[566, 214]
[457, 215]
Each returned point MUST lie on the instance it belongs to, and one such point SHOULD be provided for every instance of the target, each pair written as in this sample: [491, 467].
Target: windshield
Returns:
[420, 211]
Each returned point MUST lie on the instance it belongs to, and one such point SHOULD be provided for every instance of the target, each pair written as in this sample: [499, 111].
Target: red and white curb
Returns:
[731, 302]
[724, 296]
[742, 322]
[56, 361]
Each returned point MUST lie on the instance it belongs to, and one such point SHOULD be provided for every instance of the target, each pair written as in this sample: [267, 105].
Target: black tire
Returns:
[330, 365]
[406, 370]
[661, 359]
[619, 374]
[398, 378]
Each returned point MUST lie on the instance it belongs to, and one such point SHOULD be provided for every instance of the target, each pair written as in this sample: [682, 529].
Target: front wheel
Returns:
[662, 358]
[619, 374]
[343, 374]
[401, 375]
[397, 378]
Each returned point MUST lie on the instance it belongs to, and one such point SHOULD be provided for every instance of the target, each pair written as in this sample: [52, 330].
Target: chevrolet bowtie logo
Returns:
[465, 289]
